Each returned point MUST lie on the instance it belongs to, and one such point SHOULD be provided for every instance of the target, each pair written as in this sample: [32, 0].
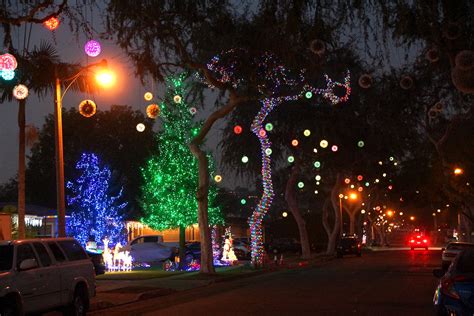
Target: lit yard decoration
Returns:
[228, 255]
[116, 259]
[153, 111]
[92, 48]
[52, 23]
[20, 92]
[148, 96]
[274, 78]
[95, 214]
[87, 108]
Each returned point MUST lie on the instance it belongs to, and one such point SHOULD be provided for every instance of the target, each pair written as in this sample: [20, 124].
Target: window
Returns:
[73, 250]
[58, 254]
[24, 252]
[6, 257]
[42, 253]
[137, 241]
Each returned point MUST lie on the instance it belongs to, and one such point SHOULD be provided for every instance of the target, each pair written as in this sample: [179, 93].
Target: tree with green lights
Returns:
[170, 180]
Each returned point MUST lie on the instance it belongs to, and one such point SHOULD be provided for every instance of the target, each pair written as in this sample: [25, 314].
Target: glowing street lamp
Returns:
[458, 171]
[390, 213]
[353, 196]
[103, 79]
[412, 218]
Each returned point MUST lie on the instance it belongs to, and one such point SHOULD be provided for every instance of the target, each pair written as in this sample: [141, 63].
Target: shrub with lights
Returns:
[95, 213]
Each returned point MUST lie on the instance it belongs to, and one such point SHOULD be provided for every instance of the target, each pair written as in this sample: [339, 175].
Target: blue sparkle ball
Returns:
[8, 74]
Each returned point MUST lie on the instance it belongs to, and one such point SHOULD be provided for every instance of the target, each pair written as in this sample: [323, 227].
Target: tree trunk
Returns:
[335, 234]
[351, 223]
[325, 217]
[182, 247]
[291, 199]
[21, 170]
[207, 264]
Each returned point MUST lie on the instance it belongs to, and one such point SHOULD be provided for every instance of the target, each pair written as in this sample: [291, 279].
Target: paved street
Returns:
[379, 283]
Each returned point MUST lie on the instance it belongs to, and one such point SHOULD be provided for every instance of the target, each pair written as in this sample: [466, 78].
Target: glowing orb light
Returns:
[352, 186]
[318, 177]
[284, 214]
[177, 99]
[269, 127]
[315, 150]
[317, 164]
[341, 195]
[92, 48]
[367, 184]
[334, 148]
[362, 211]
[8, 74]
[218, 178]
[262, 133]
[148, 96]
[291, 159]
[153, 111]
[245, 159]
[391, 158]
[140, 127]
[360, 189]
[390, 187]
[324, 143]
[243, 201]
[294, 142]
[87, 108]
[380, 163]
[359, 178]
[384, 174]
[360, 143]
[347, 180]
[377, 180]
[308, 95]
[193, 110]
[237, 129]
[8, 62]
[316, 191]
[317, 183]
[268, 151]
[300, 185]
[20, 92]
[51, 24]
[307, 132]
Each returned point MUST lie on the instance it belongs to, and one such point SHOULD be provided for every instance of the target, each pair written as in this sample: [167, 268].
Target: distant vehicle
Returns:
[348, 245]
[281, 245]
[150, 249]
[241, 248]
[454, 294]
[419, 241]
[40, 275]
[451, 251]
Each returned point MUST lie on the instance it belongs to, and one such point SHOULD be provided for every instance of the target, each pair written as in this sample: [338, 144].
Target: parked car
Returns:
[97, 261]
[241, 248]
[451, 251]
[454, 294]
[419, 241]
[150, 249]
[348, 245]
[40, 275]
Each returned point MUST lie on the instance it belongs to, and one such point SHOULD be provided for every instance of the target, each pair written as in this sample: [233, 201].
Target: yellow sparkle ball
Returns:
[177, 99]
[218, 178]
[148, 96]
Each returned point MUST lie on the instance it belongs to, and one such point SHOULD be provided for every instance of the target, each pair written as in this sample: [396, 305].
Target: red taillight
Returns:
[412, 240]
[425, 241]
[447, 286]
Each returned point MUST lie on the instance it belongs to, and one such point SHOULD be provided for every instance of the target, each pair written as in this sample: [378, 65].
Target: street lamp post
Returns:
[58, 134]
[340, 215]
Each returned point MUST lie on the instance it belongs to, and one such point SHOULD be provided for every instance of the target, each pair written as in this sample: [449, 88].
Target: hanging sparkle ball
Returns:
[243, 201]
[269, 127]
[87, 108]
[140, 127]
[237, 129]
[334, 148]
[51, 24]
[291, 159]
[92, 48]
[177, 99]
[367, 184]
[347, 180]
[324, 143]
[317, 178]
[245, 159]
[284, 214]
[8, 62]
[268, 151]
[316, 192]
[153, 111]
[218, 178]
[8, 74]
[380, 163]
[307, 132]
[315, 150]
[359, 178]
[360, 143]
[300, 185]
[308, 95]
[352, 186]
[148, 96]
[262, 133]
[317, 164]
[360, 189]
[294, 142]
[391, 158]
[193, 110]
[390, 187]
[20, 92]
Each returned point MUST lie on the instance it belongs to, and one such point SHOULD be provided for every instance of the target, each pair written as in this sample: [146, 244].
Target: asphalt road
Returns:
[378, 283]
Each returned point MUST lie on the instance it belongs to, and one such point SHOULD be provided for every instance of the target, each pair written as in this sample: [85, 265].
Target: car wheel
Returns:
[79, 304]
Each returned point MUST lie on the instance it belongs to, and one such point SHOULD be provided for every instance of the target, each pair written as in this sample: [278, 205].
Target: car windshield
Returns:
[459, 246]
[6, 257]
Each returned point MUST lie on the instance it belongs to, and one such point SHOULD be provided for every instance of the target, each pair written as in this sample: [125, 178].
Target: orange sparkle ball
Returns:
[294, 142]
[52, 23]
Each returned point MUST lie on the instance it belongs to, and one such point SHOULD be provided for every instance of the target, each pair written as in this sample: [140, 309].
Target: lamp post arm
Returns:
[72, 79]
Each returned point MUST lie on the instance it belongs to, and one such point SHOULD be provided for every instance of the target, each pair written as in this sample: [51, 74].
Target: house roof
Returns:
[31, 209]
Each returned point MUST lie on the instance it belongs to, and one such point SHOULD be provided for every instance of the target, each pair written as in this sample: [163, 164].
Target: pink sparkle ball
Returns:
[92, 48]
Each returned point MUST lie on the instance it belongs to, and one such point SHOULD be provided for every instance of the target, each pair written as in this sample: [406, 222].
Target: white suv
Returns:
[39, 275]
[452, 250]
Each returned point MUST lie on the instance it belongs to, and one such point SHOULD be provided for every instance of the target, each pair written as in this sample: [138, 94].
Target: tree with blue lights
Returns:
[95, 213]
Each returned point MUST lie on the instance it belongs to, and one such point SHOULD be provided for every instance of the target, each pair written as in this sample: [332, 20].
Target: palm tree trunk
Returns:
[290, 197]
[21, 169]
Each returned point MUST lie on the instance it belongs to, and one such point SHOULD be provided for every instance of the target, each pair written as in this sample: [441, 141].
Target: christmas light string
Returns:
[275, 80]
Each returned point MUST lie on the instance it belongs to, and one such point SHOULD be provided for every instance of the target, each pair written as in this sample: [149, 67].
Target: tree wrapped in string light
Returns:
[170, 180]
[95, 213]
